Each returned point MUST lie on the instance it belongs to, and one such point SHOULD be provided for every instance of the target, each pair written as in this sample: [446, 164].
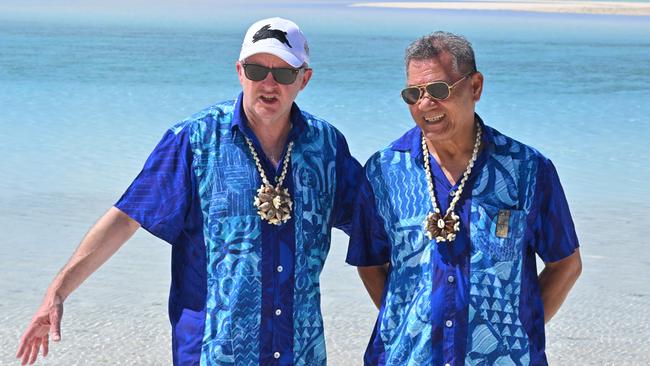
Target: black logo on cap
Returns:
[266, 32]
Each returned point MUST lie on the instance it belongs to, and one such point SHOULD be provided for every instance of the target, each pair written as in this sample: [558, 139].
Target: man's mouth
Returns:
[434, 119]
[268, 98]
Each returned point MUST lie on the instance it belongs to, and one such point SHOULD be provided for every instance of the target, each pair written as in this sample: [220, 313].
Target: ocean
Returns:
[84, 98]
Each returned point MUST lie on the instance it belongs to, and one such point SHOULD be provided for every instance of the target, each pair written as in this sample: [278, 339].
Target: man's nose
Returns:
[269, 79]
[427, 102]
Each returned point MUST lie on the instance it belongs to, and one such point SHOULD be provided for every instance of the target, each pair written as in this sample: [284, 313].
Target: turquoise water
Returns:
[92, 99]
[84, 99]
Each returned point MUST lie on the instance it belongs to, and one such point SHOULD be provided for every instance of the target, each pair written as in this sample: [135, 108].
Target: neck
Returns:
[272, 136]
[453, 155]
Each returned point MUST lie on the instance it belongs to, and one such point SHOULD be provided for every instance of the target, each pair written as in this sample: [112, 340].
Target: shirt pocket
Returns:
[497, 233]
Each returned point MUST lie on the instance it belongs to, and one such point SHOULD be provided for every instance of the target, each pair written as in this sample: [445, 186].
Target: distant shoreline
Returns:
[548, 6]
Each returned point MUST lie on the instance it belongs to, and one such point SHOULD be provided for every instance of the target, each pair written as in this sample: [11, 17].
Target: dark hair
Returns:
[437, 43]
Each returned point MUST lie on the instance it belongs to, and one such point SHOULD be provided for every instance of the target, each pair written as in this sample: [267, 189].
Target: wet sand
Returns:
[119, 316]
[577, 7]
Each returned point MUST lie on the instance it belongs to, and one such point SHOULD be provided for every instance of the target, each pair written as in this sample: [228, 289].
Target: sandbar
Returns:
[577, 7]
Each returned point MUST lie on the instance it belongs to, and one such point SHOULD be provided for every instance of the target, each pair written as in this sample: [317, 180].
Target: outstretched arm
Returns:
[556, 281]
[100, 243]
[374, 279]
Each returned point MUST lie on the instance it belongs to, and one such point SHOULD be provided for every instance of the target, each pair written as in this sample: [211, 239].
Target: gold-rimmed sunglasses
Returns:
[438, 90]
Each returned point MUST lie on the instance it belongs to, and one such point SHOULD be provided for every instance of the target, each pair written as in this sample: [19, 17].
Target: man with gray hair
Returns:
[448, 223]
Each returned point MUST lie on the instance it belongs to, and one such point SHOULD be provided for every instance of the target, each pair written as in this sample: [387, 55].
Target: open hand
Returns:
[46, 320]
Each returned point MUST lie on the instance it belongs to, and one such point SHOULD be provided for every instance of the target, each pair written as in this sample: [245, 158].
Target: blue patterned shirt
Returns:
[477, 300]
[244, 291]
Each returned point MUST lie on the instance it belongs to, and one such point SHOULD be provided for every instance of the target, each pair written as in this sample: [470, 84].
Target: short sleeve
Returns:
[369, 244]
[348, 174]
[160, 196]
[555, 234]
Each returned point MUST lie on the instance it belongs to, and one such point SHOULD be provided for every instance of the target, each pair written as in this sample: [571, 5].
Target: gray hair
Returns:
[437, 43]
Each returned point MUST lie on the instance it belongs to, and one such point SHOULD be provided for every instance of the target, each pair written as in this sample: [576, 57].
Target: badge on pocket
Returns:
[503, 222]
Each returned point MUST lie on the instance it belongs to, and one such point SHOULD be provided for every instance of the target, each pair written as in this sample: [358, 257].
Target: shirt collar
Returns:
[240, 121]
[411, 141]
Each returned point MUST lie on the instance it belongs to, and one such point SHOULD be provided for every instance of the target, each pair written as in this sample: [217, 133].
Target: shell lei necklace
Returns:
[436, 226]
[273, 203]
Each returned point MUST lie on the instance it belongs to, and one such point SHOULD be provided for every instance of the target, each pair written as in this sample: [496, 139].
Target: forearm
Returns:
[105, 237]
[374, 280]
[556, 280]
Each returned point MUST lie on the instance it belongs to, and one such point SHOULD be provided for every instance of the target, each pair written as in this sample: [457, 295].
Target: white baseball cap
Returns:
[279, 37]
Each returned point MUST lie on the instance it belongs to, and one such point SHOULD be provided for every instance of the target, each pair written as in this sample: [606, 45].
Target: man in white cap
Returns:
[246, 191]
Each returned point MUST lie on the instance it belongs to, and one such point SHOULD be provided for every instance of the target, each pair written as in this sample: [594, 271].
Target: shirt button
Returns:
[276, 355]
[447, 364]
[278, 312]
[450, 279]
[280, 268]
[449, 323]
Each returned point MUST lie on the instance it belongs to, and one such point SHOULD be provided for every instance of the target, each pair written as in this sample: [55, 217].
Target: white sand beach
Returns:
[577, 7]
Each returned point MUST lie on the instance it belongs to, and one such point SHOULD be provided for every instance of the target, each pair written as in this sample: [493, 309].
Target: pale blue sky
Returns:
[200, 10]
[167, 12]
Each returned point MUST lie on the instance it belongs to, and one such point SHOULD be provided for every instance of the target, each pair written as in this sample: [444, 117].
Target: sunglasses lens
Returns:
[284, 76]
[255, 72]
[438, 90]
[411, 95]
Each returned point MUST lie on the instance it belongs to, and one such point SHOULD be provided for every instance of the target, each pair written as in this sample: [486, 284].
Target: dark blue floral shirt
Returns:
[475, 301]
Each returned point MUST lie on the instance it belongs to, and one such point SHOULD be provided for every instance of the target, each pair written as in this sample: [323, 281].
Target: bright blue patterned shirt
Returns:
[243, 291]
[477, 300]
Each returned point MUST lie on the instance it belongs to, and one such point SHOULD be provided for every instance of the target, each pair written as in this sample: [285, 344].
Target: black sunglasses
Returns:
[283, 75]
[438, 90]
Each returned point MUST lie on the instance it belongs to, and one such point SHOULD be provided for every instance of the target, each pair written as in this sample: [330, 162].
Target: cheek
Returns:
[415, 112]
[242, 78]
[416, 116]
[457, 109]
[291, 93]
[244, 84]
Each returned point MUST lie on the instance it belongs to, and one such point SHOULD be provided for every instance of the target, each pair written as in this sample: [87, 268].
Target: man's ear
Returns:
[240, 72]
[306, 77]
[477, 85]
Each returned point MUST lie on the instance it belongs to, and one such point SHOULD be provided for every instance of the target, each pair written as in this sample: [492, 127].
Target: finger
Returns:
[34, 354]
[55, 325]
[21, 348]
[25, 343]
[25, 354]
[46, 345]
[25, 350]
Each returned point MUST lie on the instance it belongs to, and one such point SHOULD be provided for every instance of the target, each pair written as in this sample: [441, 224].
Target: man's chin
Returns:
[267, 112]
[434, 131]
